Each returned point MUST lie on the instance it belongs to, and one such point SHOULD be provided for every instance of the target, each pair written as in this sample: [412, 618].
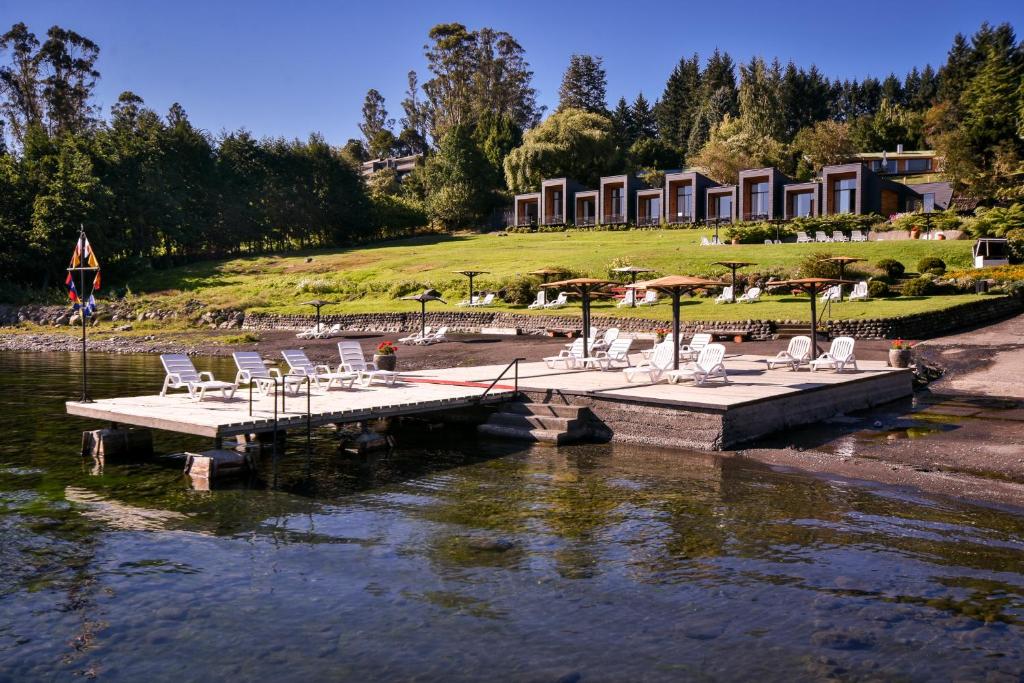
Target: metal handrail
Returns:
[515, 364]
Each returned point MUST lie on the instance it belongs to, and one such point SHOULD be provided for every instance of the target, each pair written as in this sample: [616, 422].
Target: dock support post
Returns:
[117, 443]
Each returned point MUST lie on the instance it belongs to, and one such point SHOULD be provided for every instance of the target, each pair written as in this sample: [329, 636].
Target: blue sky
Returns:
[289, 68]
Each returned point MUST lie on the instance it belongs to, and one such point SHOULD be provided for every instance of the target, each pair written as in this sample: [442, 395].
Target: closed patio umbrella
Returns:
[471, 274]
[428, 295]
[585, 287]
[675, 286]
[734, 266]
[633, 271]
[813, 286]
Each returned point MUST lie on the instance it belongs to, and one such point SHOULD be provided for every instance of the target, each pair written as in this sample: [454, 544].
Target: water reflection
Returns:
[453, 559]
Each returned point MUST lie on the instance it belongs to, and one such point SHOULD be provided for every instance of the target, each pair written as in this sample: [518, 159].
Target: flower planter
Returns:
[385, 361]
[899, 358]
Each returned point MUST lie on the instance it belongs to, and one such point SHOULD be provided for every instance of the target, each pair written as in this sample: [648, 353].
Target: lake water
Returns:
[452, 559]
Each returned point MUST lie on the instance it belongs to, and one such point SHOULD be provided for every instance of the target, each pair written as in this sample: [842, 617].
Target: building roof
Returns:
[905, 154]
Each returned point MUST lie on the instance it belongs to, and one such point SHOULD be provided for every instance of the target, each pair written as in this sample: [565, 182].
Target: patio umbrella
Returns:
[813, 286]
[675, 286]
[633, 271]
[471, 274]
[843, 261]
[428, 295]
[545, 272]
[584, 286]
[318, 304]
[734, 266]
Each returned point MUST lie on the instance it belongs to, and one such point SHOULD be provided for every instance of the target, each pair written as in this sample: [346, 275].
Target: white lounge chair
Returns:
[660, 363]
[328, 332]
[569, 357]
[647, 353]
[749, 296]
[796, 354]
[539, 303]
[182, 374]
[629, 299]
[610, 335]
[820, 236]
[858, 236]
[471, 301]
[838, 357]
[802, 238]
[697, 343]
[307, 334]
[705, 242]
[838, 236]
[252, 369]
[616, 353]
[650, 298]
[353, 360]
[300, 366]
[486, 301]
[833, 293]
[860, 291]
[707, 366]
[561, 300]
[726, 296]
[768, 242]
[434, 337]
[415, 338]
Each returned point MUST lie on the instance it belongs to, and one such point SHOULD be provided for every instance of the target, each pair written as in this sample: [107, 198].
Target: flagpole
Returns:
[83, 265]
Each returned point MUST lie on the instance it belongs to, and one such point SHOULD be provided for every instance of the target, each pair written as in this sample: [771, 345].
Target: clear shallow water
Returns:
[450, 559]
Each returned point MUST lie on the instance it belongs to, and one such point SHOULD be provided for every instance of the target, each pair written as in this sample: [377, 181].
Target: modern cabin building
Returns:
[402, 166]
[585, 208]
[853, 188]
[526, 212]
[800, 200]
[616, 204]
[760, 194]
[720, 203]
[932, 196]
[648, 206]
[556, 206]
[900, 162]
[684, 196]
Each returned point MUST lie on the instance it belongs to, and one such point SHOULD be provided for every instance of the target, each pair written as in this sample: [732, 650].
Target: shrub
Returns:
[518, 289]
[878, 289]
[921, 286]
[756, 233]
[405, 288]
[891, 267]
[1016, 239]
[931, 264]
[944, 220]
[995, 222]
[815, 265]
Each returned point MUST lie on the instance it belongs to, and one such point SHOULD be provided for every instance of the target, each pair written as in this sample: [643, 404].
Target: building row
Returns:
[688, 196]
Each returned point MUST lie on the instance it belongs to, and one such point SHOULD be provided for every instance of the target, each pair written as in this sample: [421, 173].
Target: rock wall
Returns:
[931, 324]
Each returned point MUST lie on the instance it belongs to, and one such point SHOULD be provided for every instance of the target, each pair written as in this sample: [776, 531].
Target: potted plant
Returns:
[915, 232]
[900, 353]
[660, 334]
[385, 358]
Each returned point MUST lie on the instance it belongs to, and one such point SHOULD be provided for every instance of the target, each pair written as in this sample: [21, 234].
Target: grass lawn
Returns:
[370, 279]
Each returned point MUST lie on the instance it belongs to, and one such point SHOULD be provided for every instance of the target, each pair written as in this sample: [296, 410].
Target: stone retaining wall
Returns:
[931, 324]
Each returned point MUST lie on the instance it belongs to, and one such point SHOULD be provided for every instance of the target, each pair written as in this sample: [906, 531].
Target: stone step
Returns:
[541, 409]
[529, 421]
[553, 437]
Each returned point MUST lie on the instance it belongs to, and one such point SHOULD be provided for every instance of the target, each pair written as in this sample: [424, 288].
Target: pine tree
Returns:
[376, 126]
[892, 89]
[711, 113]
[680, 102]
[645, 125]
[761, 99]
[623, 127]
[584, 85]
[720, 72]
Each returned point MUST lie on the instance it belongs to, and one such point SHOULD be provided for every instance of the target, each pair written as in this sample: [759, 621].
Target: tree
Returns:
[645, 125]
[376, 126]
[67, 61]
[571, 143]
[734, 146]
[584, 85]
[678, 106]
[711, 113]
[822, 144]
[457, 176]
[892, 90]
[19, 82]
[720, 72]
[651, 153]
[414, 123]
[496, 136]
[761, 98]
[891, 125]
[805, 98]
[623, 125]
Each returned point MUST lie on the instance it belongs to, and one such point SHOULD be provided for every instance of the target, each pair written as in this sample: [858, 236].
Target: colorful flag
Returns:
[72, 292]
[83, 254]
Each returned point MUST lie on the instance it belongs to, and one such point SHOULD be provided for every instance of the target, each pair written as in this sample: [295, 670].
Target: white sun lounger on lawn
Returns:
[820, 236]
[251, 368]
[434, 337]
[650, 298]
[838, 236]
[705, 242]
[658, 365]
[831, 294]
[616, 353]
[467, 302]
[858, 236]
[707, 366]
[561, 300]
[838, 357]
[802, 238]
[414, 338]
[696, 345]
[181, 373]
[486, 301]
[353, 360]
[726, 296]
[860, 291]
[628, 299]
[796, 354]
[539, 303]
[302, 367]
[568, 357]
[749, 296]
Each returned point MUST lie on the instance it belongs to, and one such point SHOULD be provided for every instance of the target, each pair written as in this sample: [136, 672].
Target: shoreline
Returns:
[975, 456]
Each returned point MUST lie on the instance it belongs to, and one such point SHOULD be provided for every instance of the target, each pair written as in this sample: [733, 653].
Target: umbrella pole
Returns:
[734, 284]
[423, 319]
[586, 320]
[471, 301]
[632, 303]
[814, 321]
[675, 329]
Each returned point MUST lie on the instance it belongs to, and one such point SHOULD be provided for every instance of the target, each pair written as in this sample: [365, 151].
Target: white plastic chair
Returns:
[647, 353]
[696, 345]
[838, 236]
[768, 242]
[802, 238]
[726, 296]
[833, 293]
[658, 365]
[749, 296]
[486, 301]
[414, 338]
[628, 299]
[568, 357]
[610, 335]
[434, 337]
[650, 298]
[860, 291]
[858, 236]
[820, 236]
[839, 355]
[251, 368]
[539, 303]
[796, 354]
[353, 360]
[616, 353]
[561, 300]
[707, 366]
[300, 365]
[181, 373]
[705, 242]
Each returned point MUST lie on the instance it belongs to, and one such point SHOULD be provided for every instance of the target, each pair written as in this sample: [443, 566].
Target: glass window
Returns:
[803, 204]
[759, 199]
[652, 207]
[617, 201]
[845, 196]
[684, 202]
[723, 206]
[928, 201]
[884, 166]
[918, 165]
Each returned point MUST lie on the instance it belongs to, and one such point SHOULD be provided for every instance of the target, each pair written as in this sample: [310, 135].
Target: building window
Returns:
[917, 165]
[652, 208]
[845, 196]
[928, 201]
[556, 204]
[684, 202]
[884, 165]
[617, 195]
[759, 199]
[803, 204]
[723, 206]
